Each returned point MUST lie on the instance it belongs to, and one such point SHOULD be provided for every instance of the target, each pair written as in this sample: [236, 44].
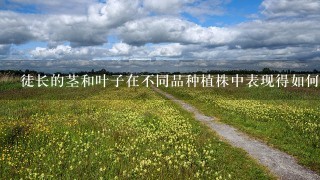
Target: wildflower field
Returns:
[117, 133]
[285, 118]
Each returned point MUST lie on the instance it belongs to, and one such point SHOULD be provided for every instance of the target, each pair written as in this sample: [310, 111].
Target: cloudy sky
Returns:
[160, 29]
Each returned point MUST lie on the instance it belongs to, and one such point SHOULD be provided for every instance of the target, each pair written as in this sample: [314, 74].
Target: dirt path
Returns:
[279, 163]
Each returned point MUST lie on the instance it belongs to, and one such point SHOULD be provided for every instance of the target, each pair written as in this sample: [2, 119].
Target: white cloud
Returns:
[121, 49]
[61, 52]
[77, 30]
[115, 12]
[166, 29]
[289, 29]
[19, 29]
[174, 51]
[80, 30]
[169, 50]
[289, 8]
[224, 53]
[277, 33]
[14, 29]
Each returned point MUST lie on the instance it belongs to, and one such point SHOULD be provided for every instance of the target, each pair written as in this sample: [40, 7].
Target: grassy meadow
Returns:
[114, 133]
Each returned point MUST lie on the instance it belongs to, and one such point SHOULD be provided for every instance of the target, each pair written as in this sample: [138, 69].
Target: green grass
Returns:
[110, 133]
[287, 118]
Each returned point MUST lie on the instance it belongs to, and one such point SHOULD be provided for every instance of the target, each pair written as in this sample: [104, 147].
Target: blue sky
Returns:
[167, 29]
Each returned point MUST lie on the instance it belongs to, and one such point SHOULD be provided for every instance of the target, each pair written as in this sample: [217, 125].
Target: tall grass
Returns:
[8, 78]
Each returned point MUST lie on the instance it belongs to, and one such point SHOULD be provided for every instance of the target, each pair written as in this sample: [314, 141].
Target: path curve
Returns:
[279, 163]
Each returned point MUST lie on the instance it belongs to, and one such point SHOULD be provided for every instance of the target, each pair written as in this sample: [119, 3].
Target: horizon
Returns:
[156, 66]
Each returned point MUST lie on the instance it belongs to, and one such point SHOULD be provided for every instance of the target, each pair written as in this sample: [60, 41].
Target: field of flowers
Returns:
[110, 133]
[288, 119]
